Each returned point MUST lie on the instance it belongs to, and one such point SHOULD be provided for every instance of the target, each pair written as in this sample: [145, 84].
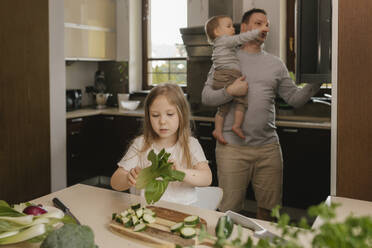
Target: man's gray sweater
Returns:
[267, 76]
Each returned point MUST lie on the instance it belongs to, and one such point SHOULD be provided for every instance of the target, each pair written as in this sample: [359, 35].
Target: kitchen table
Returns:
[94, 206]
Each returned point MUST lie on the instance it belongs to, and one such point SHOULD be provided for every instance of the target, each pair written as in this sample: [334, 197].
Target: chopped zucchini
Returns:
[118, 219]
[149, 211]
[124, 214]
[113, 216]
[148, 218]
[136, 206]
[139, 212]
[192, 220]
[176, 227]
[127, 222]
[134, 220]
[139, 227]
[187, 232]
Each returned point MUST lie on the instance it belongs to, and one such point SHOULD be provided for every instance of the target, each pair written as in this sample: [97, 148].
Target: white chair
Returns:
[208, 197]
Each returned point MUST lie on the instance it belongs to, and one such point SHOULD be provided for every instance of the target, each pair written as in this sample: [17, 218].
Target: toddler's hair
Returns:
[176, 97]
[211, 25]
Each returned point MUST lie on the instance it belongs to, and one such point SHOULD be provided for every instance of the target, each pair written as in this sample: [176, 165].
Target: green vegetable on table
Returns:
[16, 225]
[155, 178]
[70, 236]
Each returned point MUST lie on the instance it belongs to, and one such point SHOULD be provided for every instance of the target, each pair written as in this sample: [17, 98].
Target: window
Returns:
[164, 55]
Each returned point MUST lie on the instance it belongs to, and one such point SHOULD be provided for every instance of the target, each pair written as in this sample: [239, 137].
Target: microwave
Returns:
[73, 99]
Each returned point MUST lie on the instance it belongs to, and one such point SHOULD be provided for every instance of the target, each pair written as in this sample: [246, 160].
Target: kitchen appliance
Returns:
[73, 99]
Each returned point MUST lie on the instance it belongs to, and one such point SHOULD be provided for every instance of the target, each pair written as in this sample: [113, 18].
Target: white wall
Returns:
[79, 75]
[197, 12]
[57, 95]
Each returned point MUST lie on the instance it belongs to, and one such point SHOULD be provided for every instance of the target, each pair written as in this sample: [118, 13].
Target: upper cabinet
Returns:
[90, 29]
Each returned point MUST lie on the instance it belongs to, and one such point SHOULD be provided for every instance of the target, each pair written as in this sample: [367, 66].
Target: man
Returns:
[258, 158]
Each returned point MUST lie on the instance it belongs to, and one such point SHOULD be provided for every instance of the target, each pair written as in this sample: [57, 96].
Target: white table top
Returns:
[94, 206]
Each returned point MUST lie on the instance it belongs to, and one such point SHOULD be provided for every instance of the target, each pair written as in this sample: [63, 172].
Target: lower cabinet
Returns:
[203, 132]
[307, 163]
[118, 133]
[82, 149]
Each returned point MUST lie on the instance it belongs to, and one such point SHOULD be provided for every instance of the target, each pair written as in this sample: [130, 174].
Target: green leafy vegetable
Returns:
[155, 178]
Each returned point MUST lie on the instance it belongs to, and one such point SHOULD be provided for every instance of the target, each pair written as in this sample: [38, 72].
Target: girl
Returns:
[166, 125]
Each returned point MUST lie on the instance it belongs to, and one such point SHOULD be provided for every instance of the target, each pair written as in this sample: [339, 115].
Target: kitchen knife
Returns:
[65, 209]
[258, 230]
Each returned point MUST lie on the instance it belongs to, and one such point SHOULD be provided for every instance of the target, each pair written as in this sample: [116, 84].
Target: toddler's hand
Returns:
[132, 175]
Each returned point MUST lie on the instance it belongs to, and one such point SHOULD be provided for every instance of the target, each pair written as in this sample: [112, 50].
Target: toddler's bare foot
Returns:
[238, 131]
[219, 137]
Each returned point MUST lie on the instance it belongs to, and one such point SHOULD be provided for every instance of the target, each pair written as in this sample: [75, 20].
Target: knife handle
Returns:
[59, 204]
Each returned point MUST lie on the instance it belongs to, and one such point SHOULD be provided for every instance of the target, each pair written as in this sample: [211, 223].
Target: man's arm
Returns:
[293, 95]
[211, 97]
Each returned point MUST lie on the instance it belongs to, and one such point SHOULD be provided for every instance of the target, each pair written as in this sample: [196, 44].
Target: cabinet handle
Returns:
[206, 138]
[77, 120]
[75, 132]
[205, 124]
[290, 130]
[110, 118]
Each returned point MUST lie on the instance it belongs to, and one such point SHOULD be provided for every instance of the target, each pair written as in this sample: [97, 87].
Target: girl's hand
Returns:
[132, 175]
[174, 164]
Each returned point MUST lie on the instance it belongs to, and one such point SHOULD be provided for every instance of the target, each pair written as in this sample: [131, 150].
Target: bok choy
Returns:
[155, 178]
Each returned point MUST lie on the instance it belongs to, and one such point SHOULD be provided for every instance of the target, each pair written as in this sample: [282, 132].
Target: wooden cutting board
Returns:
[158, 234]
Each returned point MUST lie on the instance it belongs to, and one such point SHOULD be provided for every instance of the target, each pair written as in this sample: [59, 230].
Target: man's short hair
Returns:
[211, 25]
[247, 15]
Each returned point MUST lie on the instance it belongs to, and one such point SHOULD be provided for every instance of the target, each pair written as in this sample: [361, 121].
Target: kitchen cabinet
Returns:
[306, 162]
[83, 150]
[118, 132]
[90, 29]
[203, 132]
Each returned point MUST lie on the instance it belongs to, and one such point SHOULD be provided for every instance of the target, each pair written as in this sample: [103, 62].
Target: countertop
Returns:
[281, 120]
[94, 206]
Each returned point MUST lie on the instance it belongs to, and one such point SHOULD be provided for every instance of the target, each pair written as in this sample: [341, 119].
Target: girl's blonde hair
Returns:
[211, 25]
[175, 96]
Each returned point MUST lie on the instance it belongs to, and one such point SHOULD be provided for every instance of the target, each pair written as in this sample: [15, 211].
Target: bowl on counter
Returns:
[129, 104]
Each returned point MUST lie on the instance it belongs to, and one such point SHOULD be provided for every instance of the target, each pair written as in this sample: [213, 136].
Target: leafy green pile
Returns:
[155, 178]
[70, 236]
[353, 232]
[15, 226]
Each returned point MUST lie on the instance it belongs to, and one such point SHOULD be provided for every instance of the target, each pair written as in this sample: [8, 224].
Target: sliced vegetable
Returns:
[177, 227]
[26, 234]
[224, 227]
[134, 220]
[192, 220]
[52, 212]
[187, 232]
[127, 221]
[139, 213]
[148, 218]
[140, 227]
[136, 206]
[124, 214]
[149, 211]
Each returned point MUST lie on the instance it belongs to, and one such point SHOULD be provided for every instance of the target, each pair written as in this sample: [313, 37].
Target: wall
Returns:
[79, 75]
[57, 99]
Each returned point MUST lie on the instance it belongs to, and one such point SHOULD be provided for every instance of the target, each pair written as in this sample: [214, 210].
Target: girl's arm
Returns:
[123, 179]
[200, 175]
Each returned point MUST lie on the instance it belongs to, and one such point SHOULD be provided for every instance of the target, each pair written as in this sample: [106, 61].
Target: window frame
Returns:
[145, 58]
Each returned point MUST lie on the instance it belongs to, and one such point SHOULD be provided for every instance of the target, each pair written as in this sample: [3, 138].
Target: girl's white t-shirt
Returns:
[178, 192]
